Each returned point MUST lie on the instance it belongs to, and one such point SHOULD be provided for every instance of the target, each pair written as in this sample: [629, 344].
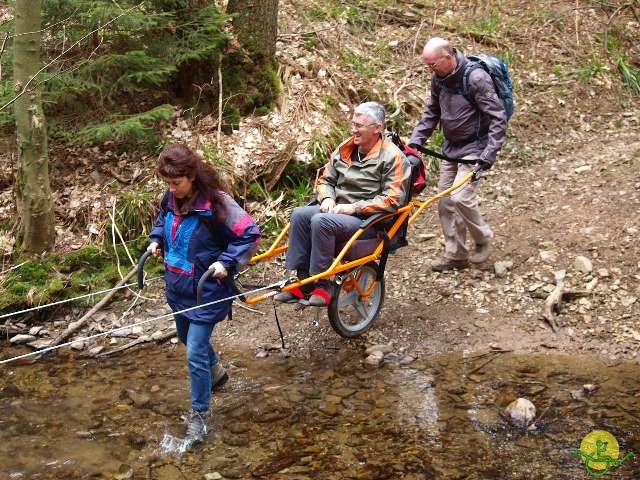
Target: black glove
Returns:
[484, 165]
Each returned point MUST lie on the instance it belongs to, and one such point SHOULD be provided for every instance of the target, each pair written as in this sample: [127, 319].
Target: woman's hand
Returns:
[154, 249]
[219, 270]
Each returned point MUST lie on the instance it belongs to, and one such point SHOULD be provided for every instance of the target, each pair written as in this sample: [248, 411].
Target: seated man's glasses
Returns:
[360, 126]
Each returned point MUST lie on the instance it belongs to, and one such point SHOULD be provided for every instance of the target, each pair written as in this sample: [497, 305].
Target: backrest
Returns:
[418, 178]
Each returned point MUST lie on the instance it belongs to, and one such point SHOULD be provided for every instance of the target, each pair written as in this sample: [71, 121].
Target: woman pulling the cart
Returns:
[199, 227]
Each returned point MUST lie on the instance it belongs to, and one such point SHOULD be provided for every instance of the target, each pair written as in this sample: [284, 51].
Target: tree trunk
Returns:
[256, 25]
[33, 191]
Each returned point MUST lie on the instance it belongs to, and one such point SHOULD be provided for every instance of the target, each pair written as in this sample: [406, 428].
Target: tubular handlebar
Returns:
[206, 275]
[141, 262]
[203, 279]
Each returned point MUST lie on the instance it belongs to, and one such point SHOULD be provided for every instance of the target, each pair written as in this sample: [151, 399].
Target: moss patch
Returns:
[60, 277]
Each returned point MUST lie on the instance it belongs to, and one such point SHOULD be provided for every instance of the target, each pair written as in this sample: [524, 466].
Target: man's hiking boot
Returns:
[219, 376]
[444, 264]
[293, 295]
[482, 252]
[319, 298]
[196, 426]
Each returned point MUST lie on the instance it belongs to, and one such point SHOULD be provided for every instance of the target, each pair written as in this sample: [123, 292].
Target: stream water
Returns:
[326, 417]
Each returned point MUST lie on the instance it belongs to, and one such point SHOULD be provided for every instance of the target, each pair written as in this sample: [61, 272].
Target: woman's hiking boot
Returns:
[219, 376]
[196, 426]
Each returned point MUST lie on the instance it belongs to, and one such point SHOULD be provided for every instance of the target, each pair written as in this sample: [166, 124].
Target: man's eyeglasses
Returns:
[360, 126]
[433, 65]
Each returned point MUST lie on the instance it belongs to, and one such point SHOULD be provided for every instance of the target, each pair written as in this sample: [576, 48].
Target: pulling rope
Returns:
[272, 286]
[39, 307]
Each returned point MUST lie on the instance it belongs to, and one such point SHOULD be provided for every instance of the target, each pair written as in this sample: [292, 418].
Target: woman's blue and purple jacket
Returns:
[192, 242]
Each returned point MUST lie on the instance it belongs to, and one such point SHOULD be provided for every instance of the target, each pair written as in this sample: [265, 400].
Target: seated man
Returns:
[366, 174]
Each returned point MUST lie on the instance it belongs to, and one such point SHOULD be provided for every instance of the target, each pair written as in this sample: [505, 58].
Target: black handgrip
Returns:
[230, 280]
[143, 259]
[203, 279]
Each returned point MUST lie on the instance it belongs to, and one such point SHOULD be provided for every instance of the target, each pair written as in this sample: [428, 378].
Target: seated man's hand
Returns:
[327, 205]
[345, 208]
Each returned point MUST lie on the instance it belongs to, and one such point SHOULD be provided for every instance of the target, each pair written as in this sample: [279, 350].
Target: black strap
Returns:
[441, 156]
[275, 313]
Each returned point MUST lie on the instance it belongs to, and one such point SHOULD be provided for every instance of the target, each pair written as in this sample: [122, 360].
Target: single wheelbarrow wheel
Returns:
[356, 301]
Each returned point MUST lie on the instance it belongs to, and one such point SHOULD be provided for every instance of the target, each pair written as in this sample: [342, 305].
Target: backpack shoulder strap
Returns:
[471, 65]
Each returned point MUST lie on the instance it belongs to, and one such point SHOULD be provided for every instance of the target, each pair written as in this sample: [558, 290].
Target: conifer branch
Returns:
[26, 86]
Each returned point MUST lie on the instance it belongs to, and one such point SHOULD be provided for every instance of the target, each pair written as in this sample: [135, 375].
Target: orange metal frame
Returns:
[411, 211]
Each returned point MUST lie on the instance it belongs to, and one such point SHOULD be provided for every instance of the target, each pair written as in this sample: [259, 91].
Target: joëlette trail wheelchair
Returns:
[357, 284]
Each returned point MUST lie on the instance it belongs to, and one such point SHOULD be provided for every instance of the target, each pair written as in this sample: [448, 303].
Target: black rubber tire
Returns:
[351, 314]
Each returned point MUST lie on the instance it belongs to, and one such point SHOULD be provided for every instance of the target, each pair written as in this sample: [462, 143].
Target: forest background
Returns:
[119, 81]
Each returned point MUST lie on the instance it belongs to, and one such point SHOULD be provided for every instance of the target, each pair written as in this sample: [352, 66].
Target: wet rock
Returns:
[40, 344]
[548, 256]
[96, 350]
[374, 360]
[234, 471]
[139, 400]
[590, 388]
[501, 267]
[235, 440]
[21, 339]
[520, 412]
[407, 359]
[35, 331]
[168, 472]
[378, 348]
[331, 409]
[577, 394]
[583, 264]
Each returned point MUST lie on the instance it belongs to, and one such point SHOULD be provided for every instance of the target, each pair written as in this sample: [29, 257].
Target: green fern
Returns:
[131, 130]
[630, 75]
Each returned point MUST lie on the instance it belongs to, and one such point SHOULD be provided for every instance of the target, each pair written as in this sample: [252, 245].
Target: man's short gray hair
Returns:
[373, 110]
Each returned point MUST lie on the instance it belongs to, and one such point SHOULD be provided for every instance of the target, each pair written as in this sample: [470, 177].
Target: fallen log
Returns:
[139, 341]
[75, 326]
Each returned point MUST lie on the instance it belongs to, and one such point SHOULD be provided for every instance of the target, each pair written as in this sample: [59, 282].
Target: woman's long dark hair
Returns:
[178, 160]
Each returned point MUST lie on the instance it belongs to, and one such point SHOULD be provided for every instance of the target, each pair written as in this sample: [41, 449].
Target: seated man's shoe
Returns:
[445, 264]
[219, 376]
[292, 296]
[320, 297]
[197, 427]
[482, 252]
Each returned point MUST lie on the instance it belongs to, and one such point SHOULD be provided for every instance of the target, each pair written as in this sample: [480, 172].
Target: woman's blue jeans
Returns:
[201, 356]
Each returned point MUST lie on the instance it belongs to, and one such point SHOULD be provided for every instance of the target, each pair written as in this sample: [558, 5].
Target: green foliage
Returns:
[360, 64]
[630, 75]
[56, 277]
[135, 213]
[546, 17]
[132, 130]
[118, 65]
[591, 66]
[6, 95]
[487, 26]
